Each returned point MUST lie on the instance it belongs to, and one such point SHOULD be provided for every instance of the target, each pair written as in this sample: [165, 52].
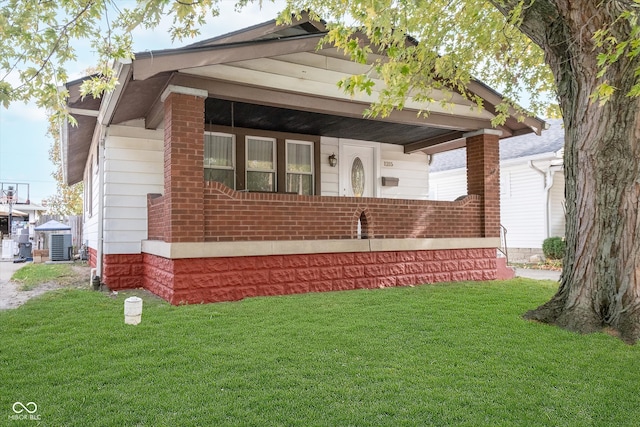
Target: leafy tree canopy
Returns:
[37, 41]
[458, 40]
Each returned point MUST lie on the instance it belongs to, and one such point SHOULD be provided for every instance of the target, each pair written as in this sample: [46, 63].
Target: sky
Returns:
[24, 143]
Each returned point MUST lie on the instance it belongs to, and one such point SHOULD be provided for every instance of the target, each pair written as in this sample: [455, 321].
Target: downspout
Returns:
[124, 69]
[548, 183]
[101, 168]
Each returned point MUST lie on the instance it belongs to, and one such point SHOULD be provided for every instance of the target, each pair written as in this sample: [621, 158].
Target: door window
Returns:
[357, 177]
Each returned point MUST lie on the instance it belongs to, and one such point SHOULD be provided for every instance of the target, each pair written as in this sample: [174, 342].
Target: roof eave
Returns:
[74, 141]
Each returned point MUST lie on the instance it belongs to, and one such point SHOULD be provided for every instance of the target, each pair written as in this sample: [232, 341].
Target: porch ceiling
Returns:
[253, 116]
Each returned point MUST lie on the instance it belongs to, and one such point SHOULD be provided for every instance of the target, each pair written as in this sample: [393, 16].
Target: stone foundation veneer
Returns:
[124, 271]
[178, 277]
[199, 280]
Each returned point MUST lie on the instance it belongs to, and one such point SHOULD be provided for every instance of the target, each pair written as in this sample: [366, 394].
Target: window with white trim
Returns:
[219, 158]
[89, 191]
[261, 164]
[299, 167]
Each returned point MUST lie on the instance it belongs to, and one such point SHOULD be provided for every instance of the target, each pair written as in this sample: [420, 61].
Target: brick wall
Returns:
[483, 178]
[228, 279]
[183, 167]
[236, 216]
[239, 216]
[156, 217]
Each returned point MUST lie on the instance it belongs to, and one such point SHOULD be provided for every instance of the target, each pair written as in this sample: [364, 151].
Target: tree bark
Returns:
[600, 285]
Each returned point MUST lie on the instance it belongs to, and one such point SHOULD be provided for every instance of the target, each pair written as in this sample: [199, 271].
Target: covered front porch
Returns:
[208, 242]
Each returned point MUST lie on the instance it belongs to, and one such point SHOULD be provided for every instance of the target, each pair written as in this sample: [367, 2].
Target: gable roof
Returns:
[52, 225]
[550, 142]
[274, 77]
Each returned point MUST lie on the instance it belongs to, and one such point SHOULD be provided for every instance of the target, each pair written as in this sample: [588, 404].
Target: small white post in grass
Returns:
[132, 310]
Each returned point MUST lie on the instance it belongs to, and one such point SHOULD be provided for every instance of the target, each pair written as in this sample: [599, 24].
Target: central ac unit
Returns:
[60, 247]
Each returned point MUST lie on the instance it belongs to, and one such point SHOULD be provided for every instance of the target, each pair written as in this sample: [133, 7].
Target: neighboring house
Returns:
[18, 216]
[14, 199]
[236, 167]
[531, 188]
[34, 212]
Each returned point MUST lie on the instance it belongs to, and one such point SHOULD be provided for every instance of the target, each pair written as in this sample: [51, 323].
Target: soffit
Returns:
[78, 148]
[318, 75]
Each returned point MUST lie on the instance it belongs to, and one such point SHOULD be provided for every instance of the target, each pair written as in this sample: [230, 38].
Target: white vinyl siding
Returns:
[523, 212]
[557, 206]
[448, 185]
[88, 192]
[91, 194]
[411, 170]
[329, 176]
[134, 167]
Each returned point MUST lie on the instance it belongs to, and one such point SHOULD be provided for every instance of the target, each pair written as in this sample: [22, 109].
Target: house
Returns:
[531, 188]
[18, 216]
[16, 203]
[235, 167]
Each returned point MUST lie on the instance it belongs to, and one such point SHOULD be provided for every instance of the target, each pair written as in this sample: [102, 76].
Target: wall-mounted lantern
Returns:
[333, 160]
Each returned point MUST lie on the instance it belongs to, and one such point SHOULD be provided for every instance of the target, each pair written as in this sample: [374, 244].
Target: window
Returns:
[219, 155]
[261, 164]
[300, 167]
[89, 192]
[252, 160]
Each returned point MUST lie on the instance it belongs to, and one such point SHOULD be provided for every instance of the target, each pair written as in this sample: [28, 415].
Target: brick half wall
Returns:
[238, 216]
[196, 280]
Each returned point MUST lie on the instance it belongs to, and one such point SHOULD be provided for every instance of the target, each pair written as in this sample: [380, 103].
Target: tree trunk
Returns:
[600, 283]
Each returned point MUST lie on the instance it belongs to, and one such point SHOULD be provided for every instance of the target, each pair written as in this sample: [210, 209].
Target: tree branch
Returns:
[63, 34]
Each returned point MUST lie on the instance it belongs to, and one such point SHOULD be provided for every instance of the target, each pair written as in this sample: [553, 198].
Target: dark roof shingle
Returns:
[531, 144]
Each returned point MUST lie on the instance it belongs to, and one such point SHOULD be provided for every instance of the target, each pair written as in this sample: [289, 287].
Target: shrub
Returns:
[553, 248]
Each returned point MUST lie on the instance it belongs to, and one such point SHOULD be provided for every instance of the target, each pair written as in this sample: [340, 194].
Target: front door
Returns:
[357, 171]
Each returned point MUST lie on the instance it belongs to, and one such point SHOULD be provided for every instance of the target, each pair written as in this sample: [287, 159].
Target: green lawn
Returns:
[32, 275]
[456, 354]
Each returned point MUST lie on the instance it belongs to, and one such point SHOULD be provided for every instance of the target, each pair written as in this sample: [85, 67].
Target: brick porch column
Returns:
[483, 175]
[183, 163]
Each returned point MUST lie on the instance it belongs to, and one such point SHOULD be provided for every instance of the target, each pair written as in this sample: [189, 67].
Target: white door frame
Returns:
[375, 167]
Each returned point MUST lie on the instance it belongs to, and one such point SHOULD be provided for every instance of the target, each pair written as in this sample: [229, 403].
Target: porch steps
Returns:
[504, 271]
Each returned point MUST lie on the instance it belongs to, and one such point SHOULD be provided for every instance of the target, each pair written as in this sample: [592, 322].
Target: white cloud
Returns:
[23, 112]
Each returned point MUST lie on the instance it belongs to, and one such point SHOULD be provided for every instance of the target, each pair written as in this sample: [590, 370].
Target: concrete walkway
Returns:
[7, 268]
[533, 273]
